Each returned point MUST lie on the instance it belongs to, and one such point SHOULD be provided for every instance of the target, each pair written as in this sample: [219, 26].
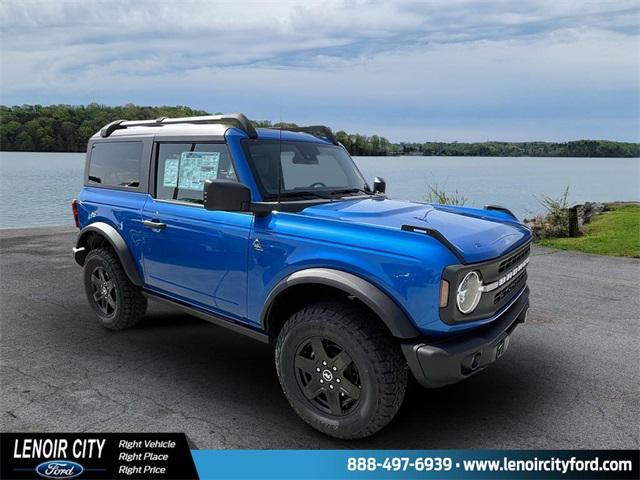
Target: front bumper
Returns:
[439, 363]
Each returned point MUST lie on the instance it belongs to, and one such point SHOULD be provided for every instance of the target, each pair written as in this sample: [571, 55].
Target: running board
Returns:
[209, 317]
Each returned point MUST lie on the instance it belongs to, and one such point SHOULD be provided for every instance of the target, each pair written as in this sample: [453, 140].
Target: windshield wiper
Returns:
[305, 193]
[349, 190]
[331, 195]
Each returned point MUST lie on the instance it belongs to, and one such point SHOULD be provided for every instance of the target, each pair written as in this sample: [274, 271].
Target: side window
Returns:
[116, 164]
[184, 167]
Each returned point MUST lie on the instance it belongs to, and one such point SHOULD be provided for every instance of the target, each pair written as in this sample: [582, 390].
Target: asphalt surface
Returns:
[570, 378]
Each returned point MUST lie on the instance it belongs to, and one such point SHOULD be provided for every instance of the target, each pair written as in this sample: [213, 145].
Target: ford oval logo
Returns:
[59, 469]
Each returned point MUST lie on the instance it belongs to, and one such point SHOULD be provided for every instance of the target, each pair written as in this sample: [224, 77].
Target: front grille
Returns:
[515, 284]
[513, 261]
[491, 271]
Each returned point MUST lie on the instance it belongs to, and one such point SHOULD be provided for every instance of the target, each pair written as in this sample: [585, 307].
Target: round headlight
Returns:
[468, 295]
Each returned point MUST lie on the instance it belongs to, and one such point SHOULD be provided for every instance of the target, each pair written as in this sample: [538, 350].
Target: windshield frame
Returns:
[316, 193]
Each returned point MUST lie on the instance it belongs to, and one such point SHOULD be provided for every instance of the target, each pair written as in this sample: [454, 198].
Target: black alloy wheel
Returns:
[104, 291]
[116, 301]
[340, 369]
[327, 376]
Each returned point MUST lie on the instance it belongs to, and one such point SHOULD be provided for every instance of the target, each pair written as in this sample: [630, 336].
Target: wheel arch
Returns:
[293, 291]
[98, 234]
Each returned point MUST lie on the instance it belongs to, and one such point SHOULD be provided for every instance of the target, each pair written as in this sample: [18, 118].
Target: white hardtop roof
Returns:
[175, 130]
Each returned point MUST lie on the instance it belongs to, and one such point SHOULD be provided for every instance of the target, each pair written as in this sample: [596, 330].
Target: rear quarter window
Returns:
[116, 164]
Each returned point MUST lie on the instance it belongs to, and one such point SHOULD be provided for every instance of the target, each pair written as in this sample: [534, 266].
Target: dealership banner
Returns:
[173, 456]
[410, 464]
[96, 455]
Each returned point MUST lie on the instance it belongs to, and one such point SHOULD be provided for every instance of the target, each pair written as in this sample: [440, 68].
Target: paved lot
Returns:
[569, 380]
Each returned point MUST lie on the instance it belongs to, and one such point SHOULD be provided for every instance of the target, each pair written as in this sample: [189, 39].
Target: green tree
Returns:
[66, 128]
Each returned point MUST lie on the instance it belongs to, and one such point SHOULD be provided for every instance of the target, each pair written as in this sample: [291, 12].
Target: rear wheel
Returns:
[341, 371]
[115, 300]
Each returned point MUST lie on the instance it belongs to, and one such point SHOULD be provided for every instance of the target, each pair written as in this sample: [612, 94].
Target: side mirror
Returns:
[379, 185]
[226, 195]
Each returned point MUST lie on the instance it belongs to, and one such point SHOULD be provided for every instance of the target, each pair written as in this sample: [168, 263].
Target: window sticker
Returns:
[191, 170]
[170, 172]
[231, 174]
[196, 167]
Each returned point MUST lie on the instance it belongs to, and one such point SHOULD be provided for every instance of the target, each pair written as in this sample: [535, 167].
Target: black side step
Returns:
[220, 321]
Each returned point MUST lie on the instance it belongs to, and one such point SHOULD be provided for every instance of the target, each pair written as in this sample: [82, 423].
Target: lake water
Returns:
[36, 188]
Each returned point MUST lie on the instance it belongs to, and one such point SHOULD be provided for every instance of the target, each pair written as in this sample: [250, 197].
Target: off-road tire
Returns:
[130, 304]
[383, 371]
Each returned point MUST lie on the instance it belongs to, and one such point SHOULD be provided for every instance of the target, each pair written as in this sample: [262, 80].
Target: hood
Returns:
[478, 235]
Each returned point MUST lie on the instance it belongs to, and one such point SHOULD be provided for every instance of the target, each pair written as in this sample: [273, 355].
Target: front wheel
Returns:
[340, 369]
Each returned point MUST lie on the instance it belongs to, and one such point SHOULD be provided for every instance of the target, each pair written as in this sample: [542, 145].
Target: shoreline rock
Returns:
[558, 224]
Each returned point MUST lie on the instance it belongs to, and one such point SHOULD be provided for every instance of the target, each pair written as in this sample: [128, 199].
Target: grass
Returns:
[557, 216]
[438, 195]
[616, 232]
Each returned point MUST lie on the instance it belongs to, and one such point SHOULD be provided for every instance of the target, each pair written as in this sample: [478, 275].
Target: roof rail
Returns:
[317, 130]
[240, 120]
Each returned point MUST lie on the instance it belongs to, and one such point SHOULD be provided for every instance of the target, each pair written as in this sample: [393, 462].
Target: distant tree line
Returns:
[577, 148]
[66, 128]
[356, 144]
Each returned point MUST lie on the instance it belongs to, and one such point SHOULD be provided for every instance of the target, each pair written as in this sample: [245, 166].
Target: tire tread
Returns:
[133, 305]
[377, 343]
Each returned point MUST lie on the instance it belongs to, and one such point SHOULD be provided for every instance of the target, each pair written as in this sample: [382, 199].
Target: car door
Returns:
[191, 254]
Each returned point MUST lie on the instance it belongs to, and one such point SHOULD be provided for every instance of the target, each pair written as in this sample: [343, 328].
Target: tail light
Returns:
[74, 209]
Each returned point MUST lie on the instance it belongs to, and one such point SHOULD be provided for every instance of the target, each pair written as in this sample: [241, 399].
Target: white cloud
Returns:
[455, 66]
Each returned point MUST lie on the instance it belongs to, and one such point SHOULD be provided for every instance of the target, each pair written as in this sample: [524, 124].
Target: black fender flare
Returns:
[117, 243]
[379, 302]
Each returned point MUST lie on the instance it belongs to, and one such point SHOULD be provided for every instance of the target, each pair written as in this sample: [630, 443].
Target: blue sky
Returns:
[409, 70]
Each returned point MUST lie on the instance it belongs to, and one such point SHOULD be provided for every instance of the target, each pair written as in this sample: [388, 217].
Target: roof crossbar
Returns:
[317, 130]
[238, 119]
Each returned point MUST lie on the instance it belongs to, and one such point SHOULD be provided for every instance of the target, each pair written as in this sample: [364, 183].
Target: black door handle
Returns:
[154, 225]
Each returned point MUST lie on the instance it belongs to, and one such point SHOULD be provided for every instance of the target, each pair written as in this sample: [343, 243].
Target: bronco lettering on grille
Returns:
[503, 280]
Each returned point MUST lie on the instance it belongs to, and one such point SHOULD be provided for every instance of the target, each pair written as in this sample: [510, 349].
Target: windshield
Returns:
[304, 169]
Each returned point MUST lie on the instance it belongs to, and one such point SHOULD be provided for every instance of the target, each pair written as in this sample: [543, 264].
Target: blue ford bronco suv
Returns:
[277, 235]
